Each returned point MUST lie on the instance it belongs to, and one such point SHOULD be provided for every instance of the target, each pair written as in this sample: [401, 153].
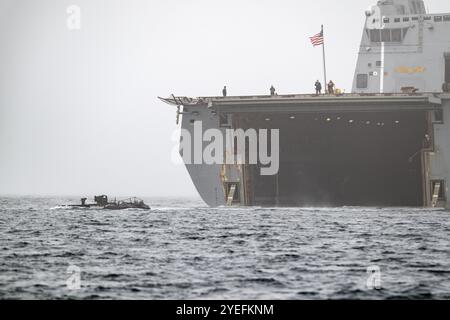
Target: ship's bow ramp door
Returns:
[344, 159]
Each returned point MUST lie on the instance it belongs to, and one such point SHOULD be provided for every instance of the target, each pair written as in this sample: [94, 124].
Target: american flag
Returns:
[317, 40]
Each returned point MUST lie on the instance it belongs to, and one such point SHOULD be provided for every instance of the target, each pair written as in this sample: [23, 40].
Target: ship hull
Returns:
[334, 151]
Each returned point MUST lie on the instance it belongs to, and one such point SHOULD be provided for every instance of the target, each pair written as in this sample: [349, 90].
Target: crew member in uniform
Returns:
[331, 87]
[318, 86]
[272, 91]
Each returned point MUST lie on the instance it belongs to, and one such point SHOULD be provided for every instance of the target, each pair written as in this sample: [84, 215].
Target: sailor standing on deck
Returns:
[224, 91]
[272, 91]
[318, 86]
[331, 87]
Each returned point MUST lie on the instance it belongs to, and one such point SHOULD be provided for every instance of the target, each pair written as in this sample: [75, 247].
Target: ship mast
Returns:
[324, 63]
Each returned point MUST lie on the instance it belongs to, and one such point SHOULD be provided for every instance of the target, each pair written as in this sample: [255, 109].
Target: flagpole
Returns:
[324, 63]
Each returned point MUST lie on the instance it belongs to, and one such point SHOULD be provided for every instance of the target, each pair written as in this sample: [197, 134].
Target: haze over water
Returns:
[184, 250]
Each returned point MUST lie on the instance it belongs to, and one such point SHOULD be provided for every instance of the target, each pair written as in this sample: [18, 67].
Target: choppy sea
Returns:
[182, 249]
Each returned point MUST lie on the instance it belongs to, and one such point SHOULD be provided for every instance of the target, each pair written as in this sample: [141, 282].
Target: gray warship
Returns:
[385, 144]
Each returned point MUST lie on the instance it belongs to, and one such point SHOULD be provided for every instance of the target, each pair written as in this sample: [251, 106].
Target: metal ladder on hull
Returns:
[231, 194]
[436, 191]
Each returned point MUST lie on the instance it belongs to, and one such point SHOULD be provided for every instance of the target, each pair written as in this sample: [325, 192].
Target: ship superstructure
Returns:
[385, 144]
[403, 48]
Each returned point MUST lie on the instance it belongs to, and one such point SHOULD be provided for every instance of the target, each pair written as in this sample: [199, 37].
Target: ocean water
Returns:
[184, 250]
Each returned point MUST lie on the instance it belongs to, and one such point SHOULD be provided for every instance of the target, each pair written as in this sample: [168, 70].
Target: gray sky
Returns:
[78, 109]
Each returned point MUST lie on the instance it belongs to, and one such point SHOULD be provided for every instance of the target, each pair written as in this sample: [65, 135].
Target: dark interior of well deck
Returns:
[349, 159]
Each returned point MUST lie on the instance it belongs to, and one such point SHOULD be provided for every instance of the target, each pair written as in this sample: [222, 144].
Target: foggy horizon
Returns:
[79, 113]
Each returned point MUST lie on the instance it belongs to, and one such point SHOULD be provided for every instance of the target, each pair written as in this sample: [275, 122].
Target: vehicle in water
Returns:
[385, 144]
[102, 202]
